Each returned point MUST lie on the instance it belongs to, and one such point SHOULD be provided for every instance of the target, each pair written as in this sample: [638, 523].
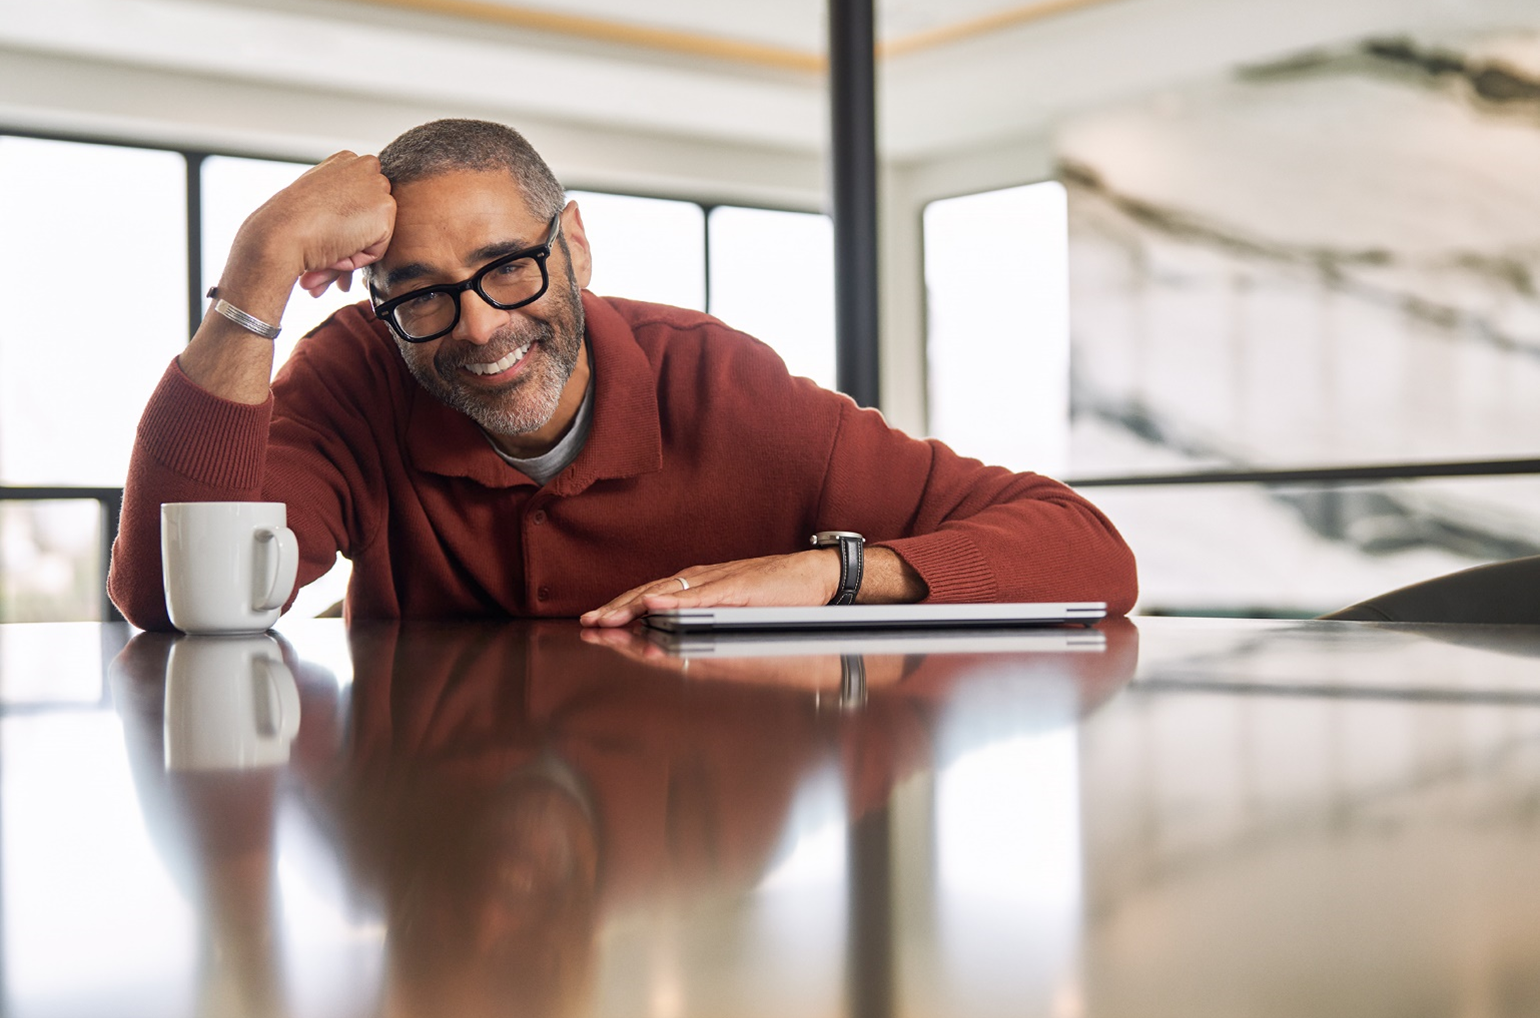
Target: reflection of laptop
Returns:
[873, 616]
[957, 640]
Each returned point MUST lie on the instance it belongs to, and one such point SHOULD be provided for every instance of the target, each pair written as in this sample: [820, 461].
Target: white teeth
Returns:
[503, 365]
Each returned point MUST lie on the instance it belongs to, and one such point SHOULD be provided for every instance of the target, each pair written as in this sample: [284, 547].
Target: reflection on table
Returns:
[1197, 817]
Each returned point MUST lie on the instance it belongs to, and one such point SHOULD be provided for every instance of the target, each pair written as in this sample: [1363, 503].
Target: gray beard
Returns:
[528, 402]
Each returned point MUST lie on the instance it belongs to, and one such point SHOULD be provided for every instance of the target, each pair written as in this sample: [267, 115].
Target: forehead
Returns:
[441, 220]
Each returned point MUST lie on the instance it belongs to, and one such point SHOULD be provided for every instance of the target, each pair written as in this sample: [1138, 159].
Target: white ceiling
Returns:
[1011, 82]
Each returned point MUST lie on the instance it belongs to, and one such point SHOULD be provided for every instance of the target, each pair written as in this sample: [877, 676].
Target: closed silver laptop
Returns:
[875, 616]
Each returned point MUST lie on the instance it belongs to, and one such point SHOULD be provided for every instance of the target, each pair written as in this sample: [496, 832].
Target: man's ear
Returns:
[577, 244]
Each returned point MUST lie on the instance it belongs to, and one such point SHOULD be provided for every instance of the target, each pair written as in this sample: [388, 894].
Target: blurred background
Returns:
[1285, 248]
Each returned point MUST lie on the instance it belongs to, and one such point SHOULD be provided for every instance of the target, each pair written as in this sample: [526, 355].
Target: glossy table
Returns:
[1156, 817]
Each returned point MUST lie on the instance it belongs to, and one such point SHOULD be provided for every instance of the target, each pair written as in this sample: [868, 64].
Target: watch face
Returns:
[825, 538]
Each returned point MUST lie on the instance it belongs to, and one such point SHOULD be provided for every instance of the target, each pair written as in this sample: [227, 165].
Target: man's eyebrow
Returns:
[404, 274]
[486, 253]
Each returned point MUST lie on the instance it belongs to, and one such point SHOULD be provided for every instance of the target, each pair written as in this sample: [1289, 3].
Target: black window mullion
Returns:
[705, 227]
[194, 239]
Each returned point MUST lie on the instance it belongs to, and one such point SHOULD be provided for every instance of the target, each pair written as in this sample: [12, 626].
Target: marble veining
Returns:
[1327, 260]
[1494, 84]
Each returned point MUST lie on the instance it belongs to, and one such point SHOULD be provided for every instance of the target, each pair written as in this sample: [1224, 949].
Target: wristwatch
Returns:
[849, 544]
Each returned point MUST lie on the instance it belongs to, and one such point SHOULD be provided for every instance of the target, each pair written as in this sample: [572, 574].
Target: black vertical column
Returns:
[112, 515]
[853, 105]
[853, 117]
[870, 976]
[195, 296]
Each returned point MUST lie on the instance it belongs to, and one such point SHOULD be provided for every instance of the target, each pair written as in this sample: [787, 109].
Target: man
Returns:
[490, 439]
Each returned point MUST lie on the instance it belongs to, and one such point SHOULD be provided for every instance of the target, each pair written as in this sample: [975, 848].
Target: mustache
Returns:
[509, 338]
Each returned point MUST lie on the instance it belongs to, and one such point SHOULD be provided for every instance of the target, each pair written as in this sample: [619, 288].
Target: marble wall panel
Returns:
[1327, 261]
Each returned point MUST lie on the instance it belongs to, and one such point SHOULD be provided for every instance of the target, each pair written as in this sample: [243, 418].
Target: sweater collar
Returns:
[625, 439]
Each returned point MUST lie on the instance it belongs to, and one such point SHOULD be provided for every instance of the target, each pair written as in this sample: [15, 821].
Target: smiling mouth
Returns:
[499, 366]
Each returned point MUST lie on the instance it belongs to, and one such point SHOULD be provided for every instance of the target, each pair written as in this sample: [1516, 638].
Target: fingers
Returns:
[354, 261]
[373, 253]
[316, 282]
[341, 271]
[634, 603]
[800, 578]
[702, 595]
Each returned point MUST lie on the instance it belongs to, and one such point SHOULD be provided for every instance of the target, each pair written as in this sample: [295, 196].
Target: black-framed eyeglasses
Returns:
[509, 282]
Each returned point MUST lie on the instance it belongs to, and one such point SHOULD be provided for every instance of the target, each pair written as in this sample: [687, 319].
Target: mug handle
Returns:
[284, 566]
[277, 699]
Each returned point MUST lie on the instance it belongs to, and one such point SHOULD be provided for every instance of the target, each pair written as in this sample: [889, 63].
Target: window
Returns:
[645, 248]
[97, 311]
[770, 272]
[772, 276]
[997, 295]
[98, 305]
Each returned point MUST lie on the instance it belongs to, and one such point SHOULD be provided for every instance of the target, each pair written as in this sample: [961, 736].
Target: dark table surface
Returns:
[1153, 817]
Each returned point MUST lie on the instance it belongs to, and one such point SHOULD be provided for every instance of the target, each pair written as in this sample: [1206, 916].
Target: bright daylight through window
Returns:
[997, 294]
[107, 282]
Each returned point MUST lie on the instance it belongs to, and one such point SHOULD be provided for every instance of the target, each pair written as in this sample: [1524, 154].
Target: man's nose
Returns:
[479, 321]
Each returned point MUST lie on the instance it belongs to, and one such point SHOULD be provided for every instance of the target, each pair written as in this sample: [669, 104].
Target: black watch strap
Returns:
[852, 561]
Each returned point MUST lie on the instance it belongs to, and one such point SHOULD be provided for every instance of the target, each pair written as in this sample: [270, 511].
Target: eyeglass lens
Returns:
[515, 282]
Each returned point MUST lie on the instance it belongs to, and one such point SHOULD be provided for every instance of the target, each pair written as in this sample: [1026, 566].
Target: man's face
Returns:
[507, 370]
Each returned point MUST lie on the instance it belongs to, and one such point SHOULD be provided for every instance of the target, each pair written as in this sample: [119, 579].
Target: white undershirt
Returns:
[547, 465]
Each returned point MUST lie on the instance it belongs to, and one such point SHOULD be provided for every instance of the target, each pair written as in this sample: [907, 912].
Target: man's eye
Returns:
[512, 270]
[421, 301]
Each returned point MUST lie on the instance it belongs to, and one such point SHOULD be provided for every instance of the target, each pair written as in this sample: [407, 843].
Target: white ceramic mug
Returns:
[231, 704]
[228, 566]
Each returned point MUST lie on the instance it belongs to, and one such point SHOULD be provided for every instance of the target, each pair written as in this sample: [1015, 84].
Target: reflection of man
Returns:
[499, 441]
[490, 893]
[509, 790]
[498, 793]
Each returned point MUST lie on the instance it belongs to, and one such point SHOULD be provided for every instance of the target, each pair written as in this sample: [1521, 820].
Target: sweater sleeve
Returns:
[193, 446]
[972, 532]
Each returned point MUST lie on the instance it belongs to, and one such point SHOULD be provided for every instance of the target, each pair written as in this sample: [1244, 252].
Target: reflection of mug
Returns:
[228, 566]
[231, 704]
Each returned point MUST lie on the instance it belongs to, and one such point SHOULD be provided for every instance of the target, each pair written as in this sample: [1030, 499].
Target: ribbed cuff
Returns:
[207, 439]
[951, 566]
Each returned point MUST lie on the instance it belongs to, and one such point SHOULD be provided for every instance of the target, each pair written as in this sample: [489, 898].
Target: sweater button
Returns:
[538, 517]
[544, 593]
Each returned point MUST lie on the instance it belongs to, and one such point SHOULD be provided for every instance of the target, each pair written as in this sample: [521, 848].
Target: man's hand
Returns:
[799, 579]
[336, 218]
[341, 272]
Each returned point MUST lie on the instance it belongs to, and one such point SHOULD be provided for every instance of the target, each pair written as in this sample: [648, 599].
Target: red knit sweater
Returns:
[702, 449]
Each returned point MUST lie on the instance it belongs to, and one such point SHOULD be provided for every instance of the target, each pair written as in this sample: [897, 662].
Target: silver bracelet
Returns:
[248, 322]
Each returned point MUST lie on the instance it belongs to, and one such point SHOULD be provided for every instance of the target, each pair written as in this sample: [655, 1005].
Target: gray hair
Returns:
[445, 145]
